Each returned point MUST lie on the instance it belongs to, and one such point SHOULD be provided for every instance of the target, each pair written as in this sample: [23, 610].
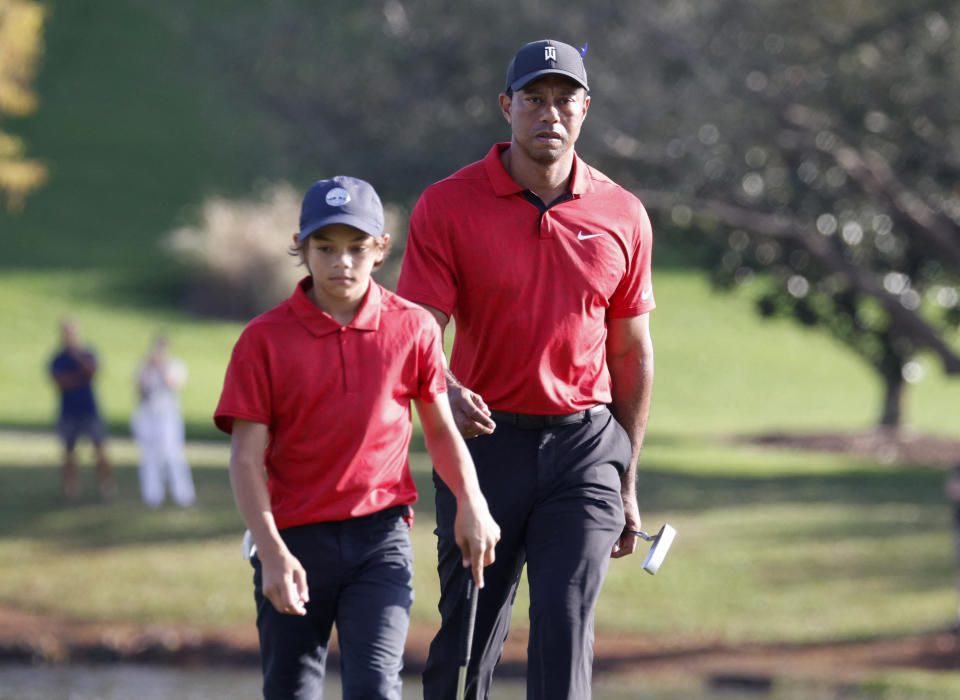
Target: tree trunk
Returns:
[892, 400]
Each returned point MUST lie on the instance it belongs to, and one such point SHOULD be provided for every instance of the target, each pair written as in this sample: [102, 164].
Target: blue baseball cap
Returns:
[341, 200]
[546, 57]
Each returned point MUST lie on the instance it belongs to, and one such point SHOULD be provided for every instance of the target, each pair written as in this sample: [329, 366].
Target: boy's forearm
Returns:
[250, 491]
[453, 464]
[253, 502]
[450, 456]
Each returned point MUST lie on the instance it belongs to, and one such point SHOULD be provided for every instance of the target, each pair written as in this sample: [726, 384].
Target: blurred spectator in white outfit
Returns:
[157, 426]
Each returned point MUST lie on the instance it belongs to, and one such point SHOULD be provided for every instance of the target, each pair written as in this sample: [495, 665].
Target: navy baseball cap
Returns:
[341, 200]
[543, 58]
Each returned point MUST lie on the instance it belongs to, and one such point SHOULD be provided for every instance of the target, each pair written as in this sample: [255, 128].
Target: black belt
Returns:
[527, 421]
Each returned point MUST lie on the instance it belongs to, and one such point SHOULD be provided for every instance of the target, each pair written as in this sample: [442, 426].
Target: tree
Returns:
[818, 145]
[813, 146]
[21, 29]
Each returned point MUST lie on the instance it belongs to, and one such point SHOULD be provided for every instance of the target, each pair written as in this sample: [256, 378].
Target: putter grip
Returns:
[472, 595]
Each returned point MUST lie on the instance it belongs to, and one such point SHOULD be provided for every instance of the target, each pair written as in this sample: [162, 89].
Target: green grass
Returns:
[130, 138]
[719, 369]
[786, 548]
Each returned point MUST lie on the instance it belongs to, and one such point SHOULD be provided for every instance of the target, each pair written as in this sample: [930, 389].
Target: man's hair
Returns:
[297, 250]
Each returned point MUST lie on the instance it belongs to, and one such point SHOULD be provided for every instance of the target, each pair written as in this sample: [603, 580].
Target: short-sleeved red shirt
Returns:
[336, 401]
[530, 292]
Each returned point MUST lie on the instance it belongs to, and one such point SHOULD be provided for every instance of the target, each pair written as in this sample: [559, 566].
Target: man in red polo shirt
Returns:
[317, 395]
[544, 264]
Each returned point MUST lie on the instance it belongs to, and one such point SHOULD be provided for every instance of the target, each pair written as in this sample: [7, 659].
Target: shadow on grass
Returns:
[664, 490]
[32, 507]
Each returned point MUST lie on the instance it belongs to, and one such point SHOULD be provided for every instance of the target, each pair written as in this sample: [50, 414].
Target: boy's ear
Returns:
[383, 247]
[297, 248]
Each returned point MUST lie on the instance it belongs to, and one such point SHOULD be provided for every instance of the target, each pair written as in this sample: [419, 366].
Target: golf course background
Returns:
[772, 545]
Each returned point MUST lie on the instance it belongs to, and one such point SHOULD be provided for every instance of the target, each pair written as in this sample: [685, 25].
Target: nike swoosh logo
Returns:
[581, 237]
[645, 294]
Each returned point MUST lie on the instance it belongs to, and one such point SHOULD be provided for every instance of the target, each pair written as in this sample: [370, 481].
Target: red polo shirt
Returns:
[336, 400]
[530, 292]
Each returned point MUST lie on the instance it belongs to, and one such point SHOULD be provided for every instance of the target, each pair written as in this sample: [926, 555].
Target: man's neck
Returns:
[546, 180]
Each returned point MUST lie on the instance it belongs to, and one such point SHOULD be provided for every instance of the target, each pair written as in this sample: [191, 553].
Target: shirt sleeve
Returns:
[432, 380]
[634, 294]
[246, 386]
[428, 275]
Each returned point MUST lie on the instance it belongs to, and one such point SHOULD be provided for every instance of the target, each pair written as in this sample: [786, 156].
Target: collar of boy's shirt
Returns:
[319, 323]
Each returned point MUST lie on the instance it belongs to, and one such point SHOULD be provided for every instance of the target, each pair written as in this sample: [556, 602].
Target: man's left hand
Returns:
[627, 543]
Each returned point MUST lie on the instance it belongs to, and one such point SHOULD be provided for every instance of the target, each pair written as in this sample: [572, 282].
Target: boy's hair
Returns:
[297, 250]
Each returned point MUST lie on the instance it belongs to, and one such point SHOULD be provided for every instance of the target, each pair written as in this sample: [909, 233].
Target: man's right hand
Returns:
[470, 413]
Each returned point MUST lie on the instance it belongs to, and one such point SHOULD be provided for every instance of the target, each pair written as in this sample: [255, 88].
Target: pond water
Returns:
[132, 682]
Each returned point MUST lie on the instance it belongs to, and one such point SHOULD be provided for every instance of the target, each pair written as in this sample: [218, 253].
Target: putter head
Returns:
[658, 551]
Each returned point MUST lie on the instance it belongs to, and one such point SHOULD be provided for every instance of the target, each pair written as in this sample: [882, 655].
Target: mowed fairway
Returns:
[783, 548]
[772, 546]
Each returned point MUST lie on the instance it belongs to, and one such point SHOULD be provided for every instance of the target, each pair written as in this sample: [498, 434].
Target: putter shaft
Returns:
[472, 595]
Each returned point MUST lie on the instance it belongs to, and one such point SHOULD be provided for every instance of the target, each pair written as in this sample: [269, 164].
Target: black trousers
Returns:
[556, 494]
[359, 572]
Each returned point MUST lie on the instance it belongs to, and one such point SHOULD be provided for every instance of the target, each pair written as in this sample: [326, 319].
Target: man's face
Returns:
[545, 116]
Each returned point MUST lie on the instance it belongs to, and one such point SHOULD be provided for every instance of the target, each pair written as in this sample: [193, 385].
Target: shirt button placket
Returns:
[344, 359]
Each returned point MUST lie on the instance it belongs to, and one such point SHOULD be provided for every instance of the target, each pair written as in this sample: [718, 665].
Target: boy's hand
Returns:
[477, 534]
[285, 583]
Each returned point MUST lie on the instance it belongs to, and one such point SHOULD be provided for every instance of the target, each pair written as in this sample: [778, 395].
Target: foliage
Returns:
[818, 145]
[21, 47]
[691, 102]
[815, 144]
[236, 252]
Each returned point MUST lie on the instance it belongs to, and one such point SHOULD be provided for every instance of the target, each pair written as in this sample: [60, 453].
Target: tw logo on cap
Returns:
[337, 197]
[549, 53]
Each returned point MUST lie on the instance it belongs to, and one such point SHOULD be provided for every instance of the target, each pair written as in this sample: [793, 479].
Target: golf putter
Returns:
[467, 642]
[658, 550]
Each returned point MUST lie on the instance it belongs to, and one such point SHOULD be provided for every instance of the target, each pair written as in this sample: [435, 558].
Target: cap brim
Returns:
[350, 220]
[519, 83]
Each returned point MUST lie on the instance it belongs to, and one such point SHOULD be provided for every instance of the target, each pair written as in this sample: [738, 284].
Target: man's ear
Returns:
[506, 102]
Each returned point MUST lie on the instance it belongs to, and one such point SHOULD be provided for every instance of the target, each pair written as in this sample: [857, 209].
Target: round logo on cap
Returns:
[337, 197]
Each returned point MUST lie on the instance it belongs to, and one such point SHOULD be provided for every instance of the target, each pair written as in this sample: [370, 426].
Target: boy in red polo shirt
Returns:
[317, 395]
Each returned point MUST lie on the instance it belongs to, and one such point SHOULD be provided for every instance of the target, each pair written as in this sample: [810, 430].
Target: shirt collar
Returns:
[319, 322]
[504, 185]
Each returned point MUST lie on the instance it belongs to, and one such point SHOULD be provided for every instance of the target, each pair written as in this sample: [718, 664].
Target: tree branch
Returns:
[776, 226]
[875, 176]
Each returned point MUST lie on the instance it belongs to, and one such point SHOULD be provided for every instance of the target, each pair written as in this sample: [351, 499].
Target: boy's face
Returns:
[340, 259]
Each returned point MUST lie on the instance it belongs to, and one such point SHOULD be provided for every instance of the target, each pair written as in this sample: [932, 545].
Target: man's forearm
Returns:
[630, 362]
[632, 391]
